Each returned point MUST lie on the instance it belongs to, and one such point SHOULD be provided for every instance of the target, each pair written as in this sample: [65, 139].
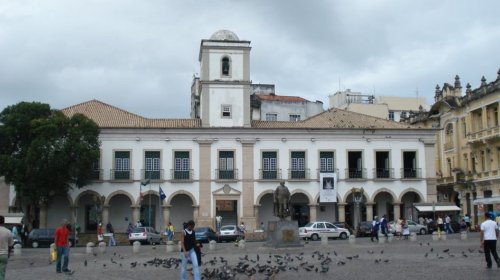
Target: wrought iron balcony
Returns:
[270, 174]
[411, 173]
[122, 174]
[383, 173]
[96, 175]
[224, 174]
[154, 175]
[355, 173]
[296, 174]
[181, 174]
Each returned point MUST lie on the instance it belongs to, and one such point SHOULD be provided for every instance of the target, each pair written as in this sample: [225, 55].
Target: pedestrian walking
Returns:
[447, 224]
[188, 252]
[61, 240]
[375, 228]
[406, 229]
[24, 234]
[383, 226]
[111, 233]
[467, 221]
[218, 222]
[489, 236]
[6, 242]
[100, 236]
[170, 231]
[440, 223]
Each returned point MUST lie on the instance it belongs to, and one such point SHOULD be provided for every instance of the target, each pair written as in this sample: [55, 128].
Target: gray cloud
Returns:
[141, 55]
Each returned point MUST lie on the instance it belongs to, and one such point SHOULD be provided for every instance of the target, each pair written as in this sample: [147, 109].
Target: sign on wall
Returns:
[328, 187]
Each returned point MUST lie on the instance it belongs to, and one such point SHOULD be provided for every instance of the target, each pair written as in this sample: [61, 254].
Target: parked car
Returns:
[39, 237]
[364, 229]
[205, 234]
[432, 226]
[144, 235]
[412, 225]
[230, 233]
[314, 231]
[343, 225]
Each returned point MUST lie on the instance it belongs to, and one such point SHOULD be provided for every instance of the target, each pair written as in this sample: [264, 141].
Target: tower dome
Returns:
[224, 35]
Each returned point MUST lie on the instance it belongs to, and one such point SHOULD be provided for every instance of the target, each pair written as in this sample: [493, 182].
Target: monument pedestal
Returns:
[283, 234]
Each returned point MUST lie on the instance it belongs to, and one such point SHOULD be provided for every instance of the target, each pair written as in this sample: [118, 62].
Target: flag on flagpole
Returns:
[141, 194]
[162, 195]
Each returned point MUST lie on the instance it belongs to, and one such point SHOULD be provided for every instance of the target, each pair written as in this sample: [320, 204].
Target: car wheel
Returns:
[343, 236]
[34, 244]
[131, 242]
[423, 231]
[315, 237]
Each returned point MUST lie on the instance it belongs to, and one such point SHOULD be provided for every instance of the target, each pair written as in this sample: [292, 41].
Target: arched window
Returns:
[225, 66]
[448, 140]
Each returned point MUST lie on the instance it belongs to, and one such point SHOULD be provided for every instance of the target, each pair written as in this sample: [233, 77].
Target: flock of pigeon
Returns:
[268, 266]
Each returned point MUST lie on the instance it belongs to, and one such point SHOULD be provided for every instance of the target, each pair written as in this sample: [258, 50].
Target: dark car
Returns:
[364, 229]
[44, 237]
[432, 226]
[205, 234]
[343, 225]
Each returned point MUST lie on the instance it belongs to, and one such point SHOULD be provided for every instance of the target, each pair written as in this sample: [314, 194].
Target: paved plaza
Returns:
[401, 259]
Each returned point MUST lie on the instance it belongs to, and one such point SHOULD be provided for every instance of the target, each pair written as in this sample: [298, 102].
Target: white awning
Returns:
[13, 220]
[430, 208]
[489, 200]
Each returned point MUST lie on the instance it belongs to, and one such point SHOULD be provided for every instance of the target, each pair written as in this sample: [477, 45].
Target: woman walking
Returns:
[188, 244]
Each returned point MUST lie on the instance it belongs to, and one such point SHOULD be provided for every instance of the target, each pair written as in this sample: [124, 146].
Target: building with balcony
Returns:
[222, 162]
[468, 145]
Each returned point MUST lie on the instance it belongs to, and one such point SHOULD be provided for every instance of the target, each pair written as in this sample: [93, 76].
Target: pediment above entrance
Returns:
[226, 190]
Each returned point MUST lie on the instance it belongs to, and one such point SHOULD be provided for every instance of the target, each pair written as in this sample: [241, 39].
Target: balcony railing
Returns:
[96, 175]
[122, 175]
[355, 173]
[484, 134]
[411, 173]
[269, 174]
[181, 174]
[383, 173]
[154, 175]
[294, 174]
[223, 174]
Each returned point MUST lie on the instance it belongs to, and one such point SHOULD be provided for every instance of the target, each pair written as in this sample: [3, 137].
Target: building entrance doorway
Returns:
[228, 210]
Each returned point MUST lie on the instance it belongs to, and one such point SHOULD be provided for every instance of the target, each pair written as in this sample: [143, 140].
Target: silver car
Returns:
[144, 235]
[315, 230]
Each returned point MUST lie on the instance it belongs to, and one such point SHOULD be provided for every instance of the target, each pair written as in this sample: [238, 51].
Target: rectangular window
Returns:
[382, 165]
[410, 165]
[122, 165]
[152, 164]
[181, 165]
[298, 162]
[355, 163]
[294, 118]
[226, 165]
[391, 115]
[271, 117]
[269, 165]
[326, 162]
[226, 111]
[96, 171]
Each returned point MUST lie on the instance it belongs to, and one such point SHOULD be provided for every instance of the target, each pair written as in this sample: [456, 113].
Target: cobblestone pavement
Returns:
[400, 259]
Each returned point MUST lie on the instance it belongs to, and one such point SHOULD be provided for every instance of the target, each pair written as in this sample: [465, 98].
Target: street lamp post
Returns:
[357, 198]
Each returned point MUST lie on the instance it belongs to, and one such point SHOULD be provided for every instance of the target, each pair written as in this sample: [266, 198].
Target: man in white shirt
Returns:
[489, 235]
[6, 241]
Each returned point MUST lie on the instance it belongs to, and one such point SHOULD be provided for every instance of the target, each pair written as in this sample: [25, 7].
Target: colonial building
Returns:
[468, 145]
[222, 162]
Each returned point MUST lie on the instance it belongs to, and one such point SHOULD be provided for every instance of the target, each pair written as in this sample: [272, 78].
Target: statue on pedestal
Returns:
[282, 201]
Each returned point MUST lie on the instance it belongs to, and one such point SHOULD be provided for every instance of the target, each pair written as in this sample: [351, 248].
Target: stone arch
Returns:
[118, 192]
[169, 199]
[82, 194]
[365, 194]
[405, 191]
[381, 190]
[301, 191]
[144, 193]
[262, 194]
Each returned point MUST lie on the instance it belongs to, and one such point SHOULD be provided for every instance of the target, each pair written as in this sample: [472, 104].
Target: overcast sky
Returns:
[141, 55]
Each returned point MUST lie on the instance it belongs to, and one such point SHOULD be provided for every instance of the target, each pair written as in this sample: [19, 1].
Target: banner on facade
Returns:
[328, 187]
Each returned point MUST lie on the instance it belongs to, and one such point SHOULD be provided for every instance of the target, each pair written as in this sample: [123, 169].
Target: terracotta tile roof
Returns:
[282, 98]
[336, 118]
[107, 116]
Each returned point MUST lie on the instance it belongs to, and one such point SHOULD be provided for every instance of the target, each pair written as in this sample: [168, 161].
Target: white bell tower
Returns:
[224, 81]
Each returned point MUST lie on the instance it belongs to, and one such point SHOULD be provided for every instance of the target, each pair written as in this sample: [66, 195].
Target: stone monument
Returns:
[285, 232]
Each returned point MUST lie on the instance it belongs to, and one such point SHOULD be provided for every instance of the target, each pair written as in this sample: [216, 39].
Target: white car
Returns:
[316, 229]
[144, 235]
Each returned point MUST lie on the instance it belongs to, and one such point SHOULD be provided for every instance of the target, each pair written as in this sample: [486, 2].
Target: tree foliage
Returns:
[43, 153]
